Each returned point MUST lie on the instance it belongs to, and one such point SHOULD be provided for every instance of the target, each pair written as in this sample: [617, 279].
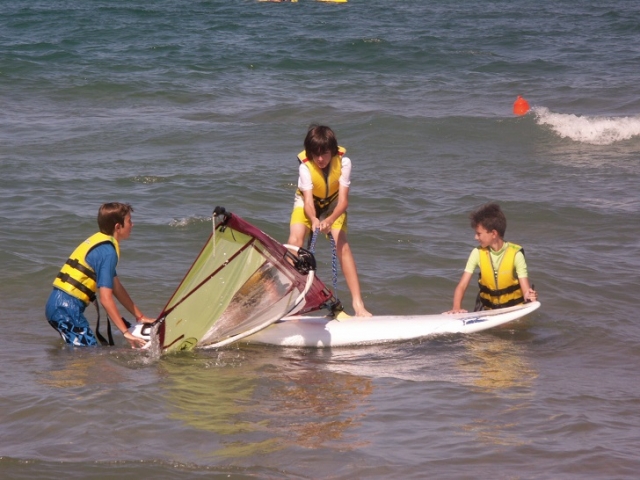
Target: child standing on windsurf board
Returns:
[503, 278]
[90, 272]
[322, 199]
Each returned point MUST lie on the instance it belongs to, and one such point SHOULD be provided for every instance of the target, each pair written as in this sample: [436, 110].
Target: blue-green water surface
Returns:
[176, 107]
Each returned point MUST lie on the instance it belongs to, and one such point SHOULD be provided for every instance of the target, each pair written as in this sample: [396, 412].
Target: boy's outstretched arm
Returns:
[458, 294]
[123, 296]
[530, 295]
[108, 303]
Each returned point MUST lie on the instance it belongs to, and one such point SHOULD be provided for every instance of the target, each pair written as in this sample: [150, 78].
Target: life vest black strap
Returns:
[323, 204]
[65, 277]
[478, 306]
[75, 263]
[501, 291]
[99, 336]
[489, 305]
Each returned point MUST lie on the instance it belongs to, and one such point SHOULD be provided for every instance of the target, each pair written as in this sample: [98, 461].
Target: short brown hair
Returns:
[491, 217]
[112, 214]
[319, 140]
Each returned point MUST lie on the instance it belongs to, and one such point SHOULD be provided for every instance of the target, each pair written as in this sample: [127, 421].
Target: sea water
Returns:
[177, 107]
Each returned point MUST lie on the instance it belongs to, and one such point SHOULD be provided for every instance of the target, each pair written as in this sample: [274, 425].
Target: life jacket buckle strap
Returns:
[497, 293]
[66, 278]
[75, 263]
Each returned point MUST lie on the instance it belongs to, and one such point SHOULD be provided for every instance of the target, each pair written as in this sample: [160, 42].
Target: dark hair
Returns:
[112, 214]
[319, 140]
[491, 217]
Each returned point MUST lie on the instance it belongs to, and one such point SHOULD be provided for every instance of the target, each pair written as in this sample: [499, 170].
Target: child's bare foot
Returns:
[361, 311]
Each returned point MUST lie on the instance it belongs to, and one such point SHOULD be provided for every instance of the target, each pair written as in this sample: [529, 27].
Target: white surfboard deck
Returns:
[323, 332]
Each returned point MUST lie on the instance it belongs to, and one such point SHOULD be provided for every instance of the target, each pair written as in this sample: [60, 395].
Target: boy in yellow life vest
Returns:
[503, 278]
[90, 273]
[321, 202]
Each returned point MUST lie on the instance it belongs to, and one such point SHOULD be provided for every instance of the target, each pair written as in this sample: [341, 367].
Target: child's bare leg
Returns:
[350, 272]
[297, 234]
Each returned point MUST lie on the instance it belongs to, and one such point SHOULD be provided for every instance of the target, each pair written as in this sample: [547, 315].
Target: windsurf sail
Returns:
[241, 282]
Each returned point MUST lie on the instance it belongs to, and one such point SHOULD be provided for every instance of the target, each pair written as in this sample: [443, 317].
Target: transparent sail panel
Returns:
[242, 280]
[267, 294]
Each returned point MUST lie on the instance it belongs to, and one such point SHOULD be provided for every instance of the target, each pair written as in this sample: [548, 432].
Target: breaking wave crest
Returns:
[189, 221]
[591, 130]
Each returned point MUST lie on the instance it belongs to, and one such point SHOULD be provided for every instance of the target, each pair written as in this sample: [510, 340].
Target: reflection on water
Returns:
[244, 401]
[498, 363]
[263, 400]
[81, 367]
[316, 407]
[494, 361]
[493, 368]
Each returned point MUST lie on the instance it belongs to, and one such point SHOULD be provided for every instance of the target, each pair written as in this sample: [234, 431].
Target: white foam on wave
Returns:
[591, 130]
[186, 222]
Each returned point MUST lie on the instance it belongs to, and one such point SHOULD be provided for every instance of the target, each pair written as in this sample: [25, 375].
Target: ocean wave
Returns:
[188, 221]
[147, 179]
[591, 130]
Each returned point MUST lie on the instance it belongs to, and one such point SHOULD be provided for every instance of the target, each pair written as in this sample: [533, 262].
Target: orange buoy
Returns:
[520, 106]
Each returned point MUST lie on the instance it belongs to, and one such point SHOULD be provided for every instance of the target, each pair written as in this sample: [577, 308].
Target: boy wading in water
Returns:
[503, 276]
[90, 272]
[321, 202]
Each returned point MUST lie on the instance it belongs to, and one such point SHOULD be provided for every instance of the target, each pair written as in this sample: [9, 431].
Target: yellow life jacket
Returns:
[326, 184]
[76, 277]
[499, 288]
